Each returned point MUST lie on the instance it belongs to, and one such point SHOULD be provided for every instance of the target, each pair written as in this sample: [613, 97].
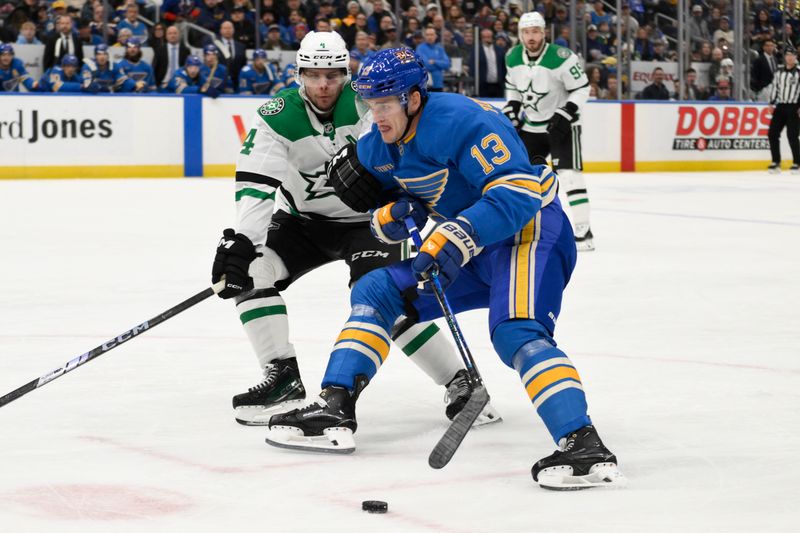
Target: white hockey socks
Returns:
[267, 326]
[428, 348]
[574, 186]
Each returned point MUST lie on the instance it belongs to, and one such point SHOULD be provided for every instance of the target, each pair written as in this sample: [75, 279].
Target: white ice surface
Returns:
[683, 324]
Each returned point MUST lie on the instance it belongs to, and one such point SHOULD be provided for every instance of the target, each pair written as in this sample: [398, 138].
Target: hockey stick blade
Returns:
[451, 440]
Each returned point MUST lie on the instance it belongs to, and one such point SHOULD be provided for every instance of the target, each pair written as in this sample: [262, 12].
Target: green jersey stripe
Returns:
[255, 193]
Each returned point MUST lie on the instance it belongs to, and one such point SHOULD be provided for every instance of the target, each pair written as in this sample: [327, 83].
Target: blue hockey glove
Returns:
[212, 91]
[451, 245]
[388, 223]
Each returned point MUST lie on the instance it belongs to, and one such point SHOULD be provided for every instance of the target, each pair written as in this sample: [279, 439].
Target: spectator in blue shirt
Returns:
[27, 34]
[132, 22]
[599, 15]
[435, 59]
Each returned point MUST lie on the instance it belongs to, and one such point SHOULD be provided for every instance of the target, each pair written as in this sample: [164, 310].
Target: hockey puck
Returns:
[374, 506]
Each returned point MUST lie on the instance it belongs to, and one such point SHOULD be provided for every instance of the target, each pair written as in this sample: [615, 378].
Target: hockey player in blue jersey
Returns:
[135, 69]
[260, 77]
[12, 72]
[502, 243]
[101, 76]
[62, 79]
[189, 79]
[289, 77]
[216, 73]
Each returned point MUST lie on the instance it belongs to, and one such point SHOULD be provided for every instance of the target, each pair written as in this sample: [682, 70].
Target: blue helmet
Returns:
[6, 48]
[209, 49]
[258, 53]
[101, 49]
[392, 72]
[193, 61]
[134, 42]
[69, 60]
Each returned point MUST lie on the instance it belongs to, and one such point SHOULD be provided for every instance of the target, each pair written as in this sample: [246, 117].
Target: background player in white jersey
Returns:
[291, 222]
[546, 89]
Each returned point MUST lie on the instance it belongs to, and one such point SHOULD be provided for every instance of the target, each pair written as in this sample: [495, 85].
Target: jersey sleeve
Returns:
[575, 81]
[492, 157]
[513, 58]
[261, 167]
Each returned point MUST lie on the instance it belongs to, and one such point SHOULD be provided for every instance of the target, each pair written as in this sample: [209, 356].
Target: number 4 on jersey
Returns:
[249, 142]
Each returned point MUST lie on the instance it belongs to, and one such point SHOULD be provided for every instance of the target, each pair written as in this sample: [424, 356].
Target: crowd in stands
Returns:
[441, 31]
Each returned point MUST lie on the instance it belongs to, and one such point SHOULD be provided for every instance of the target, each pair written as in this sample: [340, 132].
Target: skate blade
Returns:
[334, 440]
[585, 246]
[774, 171]
[489, 415]
[257, 415]
[600, 475]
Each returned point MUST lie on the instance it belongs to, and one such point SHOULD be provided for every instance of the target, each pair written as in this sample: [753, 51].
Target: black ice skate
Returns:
[774, 168]
[582, 462]
[458, 392]
[795, 169]
[585, 242]
[327, 425]
[281, 390]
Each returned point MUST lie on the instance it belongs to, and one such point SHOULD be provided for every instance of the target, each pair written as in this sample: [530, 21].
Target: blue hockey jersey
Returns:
[465, 159]
[181, 83]
[15, 74]
[105, 80]
[55, 81]
[219, 78]
[137, 72]
[253, 82]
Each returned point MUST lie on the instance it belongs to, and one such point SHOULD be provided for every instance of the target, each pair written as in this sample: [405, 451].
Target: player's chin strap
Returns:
[411, 116]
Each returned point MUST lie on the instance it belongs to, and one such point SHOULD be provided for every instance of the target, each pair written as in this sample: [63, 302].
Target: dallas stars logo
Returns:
[532, 98]
[317, 185]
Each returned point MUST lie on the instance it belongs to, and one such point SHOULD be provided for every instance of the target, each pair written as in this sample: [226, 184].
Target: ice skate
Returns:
[774, 168]
[458, 393]
[584, 240]
[327, 425]
[281, 390]
[581, 463]
[795, 169]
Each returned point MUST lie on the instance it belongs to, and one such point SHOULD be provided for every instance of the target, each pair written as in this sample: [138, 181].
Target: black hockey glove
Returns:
[235, 252]
[513, 110]
[560, 124]
[354, 185]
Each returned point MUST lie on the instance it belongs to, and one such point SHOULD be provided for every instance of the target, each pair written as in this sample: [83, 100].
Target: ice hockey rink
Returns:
[683, 325]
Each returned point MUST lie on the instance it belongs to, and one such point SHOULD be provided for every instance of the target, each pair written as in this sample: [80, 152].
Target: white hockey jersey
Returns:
[544, 84]
[282, 161]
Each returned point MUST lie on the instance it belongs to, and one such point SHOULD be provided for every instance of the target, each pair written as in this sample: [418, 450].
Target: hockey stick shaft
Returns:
[111, 344]
[459, 427]
[447, 311]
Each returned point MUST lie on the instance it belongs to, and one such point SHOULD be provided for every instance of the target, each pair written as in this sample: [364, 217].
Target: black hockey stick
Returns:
[451, 440]
[111, 344]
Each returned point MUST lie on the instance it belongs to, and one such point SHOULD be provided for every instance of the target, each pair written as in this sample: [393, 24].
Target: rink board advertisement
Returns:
[714, 136]
[226, 122]
[84, 136]
[54, 136]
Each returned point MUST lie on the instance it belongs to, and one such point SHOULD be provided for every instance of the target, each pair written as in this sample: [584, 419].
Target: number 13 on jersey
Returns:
[499, 153]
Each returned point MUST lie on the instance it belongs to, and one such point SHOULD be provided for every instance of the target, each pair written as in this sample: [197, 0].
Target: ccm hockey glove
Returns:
[560, 125]
[388, 222]
[354, 185]
[235, 252]
[451, 245]
[513, 110]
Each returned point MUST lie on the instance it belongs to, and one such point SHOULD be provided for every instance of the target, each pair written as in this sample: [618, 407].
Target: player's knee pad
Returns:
[377, 290]
[267, 269]
[571, 179]
[515, 341]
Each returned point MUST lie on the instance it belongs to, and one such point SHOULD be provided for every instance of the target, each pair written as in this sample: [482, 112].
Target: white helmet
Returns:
[322, 49]
[534, 19]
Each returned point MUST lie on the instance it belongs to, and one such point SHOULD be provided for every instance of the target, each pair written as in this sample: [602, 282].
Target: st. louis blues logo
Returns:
[427, 188]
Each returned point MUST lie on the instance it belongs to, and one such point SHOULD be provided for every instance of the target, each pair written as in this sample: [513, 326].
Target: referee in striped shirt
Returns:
[786, 99]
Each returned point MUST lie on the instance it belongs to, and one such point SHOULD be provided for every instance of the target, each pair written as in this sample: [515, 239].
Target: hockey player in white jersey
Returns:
[291, 222]
[546, 90]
